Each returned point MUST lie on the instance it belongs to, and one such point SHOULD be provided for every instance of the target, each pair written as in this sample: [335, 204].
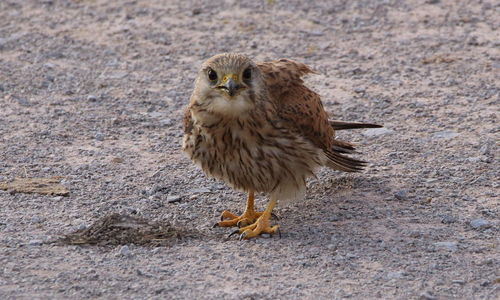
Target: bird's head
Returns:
[228, 84]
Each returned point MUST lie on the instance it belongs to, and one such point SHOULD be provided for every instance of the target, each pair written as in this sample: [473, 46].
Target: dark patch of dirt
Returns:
[118, 229]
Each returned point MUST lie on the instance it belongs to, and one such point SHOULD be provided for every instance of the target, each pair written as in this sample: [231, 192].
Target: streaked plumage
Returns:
[257, 127]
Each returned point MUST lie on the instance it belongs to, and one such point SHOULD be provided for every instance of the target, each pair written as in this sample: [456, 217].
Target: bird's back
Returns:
[296, 104]
[302, 111]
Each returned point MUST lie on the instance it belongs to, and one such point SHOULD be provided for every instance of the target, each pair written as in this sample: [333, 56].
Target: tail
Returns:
[340, 125]
[338, 161]
[336, 158]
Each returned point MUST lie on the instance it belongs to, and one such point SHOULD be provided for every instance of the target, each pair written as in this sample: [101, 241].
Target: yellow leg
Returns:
[248, 217]
[261, 225]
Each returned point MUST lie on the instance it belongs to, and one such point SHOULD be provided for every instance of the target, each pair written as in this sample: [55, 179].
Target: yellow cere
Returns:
[227, 76]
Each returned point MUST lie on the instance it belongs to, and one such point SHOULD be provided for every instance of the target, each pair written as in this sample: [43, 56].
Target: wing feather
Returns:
[296, 104]
[303, 111]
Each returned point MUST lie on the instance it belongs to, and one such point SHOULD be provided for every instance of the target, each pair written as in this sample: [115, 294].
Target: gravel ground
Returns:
[93, 91]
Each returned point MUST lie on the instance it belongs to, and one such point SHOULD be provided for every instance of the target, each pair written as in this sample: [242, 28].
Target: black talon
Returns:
[233, 233]
[242, 236]
[279, 232]
[215, 225]
[275, 216]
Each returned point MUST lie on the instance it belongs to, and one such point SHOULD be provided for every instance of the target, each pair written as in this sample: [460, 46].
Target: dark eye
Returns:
[247, 74]
[212, 75]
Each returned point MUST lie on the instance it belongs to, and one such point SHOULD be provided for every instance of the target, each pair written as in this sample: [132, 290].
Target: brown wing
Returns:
[303, 111]
[297, 104]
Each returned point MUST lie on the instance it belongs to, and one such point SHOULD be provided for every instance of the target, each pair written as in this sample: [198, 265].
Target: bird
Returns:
[259, 128]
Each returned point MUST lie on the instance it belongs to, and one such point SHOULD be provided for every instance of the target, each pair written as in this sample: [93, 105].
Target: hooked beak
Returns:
[230, 84]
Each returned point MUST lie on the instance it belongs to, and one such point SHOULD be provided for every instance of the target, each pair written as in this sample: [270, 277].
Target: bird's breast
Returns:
[251, 155]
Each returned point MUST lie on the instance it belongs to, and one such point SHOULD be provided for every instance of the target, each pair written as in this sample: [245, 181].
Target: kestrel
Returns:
[257, 127]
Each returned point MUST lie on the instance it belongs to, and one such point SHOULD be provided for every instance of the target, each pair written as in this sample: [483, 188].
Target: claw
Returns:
[242, 236]
[279, 232]
[275, 216]
[215, 225]
[233, 233]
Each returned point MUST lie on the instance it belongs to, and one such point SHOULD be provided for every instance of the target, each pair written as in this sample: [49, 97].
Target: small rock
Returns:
[200, 191]
[480, 224]
[395, 275]
[196, 11]
[19, 100]
[359, 90]
[166, 122]
[473, 159]
[445, 134]
[401, 195]
[485, 149]
[333, 218]
[35, 242]
[49, 65]
[91, 98]
[117, 160]
[427, 296]
[81, 227]
[99, 136]
[485, 283]
[331, 247]
[125, 251]
[173, 198]
[448, 220]
[450, 246]
[374, 132]
[37, 219]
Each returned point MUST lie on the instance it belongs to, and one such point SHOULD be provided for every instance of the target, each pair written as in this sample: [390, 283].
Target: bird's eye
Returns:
[247, 74]
[212, 75]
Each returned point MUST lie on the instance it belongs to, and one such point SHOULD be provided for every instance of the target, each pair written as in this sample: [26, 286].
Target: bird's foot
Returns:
[260, 226]
[229, 220]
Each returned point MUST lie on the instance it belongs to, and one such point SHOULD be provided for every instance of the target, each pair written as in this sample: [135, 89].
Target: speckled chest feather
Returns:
[252, 153]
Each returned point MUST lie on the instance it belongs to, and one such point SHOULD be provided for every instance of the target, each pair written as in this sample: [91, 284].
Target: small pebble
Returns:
[173, 198]
[448, 220]
[427, 296]
[37, 219]
[479, 224]
[99, 136]
[401, 195]
[125, 251]
[199, 191]
[35, 242]
[445, 134]
[450, 246]
[359, 90]
[374, 132]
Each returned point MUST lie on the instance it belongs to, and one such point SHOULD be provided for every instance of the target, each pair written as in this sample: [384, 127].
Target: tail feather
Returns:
[344, 163]
[341, 125]
[336, 158]
[343, 147]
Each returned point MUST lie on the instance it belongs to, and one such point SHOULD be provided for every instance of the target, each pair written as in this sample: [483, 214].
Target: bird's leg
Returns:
[248, 217]
[261, 225]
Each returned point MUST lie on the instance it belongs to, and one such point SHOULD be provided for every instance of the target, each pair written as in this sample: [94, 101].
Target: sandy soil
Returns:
[93, 91]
